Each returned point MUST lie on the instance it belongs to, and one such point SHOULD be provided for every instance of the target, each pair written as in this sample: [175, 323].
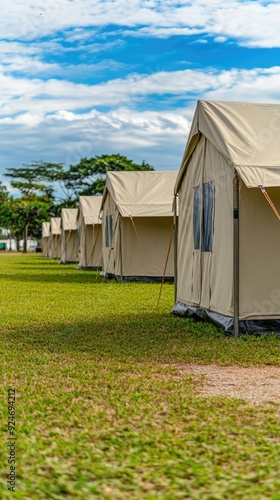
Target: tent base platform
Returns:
[256, 327]
[143, 279]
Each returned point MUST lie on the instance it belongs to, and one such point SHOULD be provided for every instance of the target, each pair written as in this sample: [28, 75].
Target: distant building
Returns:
[9, 244]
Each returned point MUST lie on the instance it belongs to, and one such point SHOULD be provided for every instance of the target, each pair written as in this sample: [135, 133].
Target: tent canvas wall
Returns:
[228, 236]
[137, 224]
[89, 232]
[46, 239]
[55, 235]
[69, 235]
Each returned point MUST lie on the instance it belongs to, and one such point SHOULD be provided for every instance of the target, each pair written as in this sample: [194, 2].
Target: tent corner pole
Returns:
[175, 246]
[236, 253]
[121, 249]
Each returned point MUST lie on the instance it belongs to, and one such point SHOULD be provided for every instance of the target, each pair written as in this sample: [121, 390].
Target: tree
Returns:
[47, 187]
[88, 176]
[29, 211]
[4, 195]
[23, 216]
[54, 178]
[85, 178]
[3, 192]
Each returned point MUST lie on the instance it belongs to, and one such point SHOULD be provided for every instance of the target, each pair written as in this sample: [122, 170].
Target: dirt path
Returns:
[257, 385]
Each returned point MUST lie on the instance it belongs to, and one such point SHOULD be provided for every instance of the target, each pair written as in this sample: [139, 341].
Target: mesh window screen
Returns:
[207, 217]
[196, 217]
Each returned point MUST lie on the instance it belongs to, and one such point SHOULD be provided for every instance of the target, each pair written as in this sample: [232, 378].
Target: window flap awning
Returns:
[255, 176]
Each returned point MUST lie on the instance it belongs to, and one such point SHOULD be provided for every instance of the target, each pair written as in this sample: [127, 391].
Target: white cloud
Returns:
[251, 23]
[21, 95]
[28, 59]
[201, 40]
[57, 128]
[45, 115]
[220, 39]
[66, 137]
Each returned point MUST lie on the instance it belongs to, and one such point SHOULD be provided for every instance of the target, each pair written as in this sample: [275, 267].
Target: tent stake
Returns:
[236, 253]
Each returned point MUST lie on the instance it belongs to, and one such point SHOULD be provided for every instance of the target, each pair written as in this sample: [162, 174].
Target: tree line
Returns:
[45, 188]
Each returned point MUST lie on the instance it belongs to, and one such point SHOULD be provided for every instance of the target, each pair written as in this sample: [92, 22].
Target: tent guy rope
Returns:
[165, 266]
[270, 202]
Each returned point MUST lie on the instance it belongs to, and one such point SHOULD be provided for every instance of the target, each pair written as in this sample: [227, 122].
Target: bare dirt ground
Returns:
[256, 385]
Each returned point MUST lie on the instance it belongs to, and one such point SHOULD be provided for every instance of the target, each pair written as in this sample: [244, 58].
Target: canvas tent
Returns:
[55, 235]
[46, 239]
[69, 235]
[137, 225]
[89, 232]
[228, 235]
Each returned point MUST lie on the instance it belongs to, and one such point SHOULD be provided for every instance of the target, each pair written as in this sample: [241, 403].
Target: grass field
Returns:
[103, 410]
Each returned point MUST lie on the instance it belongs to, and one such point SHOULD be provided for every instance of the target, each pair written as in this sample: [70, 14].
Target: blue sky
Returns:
[80, 78]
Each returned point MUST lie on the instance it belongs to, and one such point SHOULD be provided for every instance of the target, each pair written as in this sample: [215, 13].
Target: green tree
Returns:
[39, 181]
[3, 192]
[49, 177]
[88, 176]
[54, 178]
[85, 178]
[4, 196]
[23, 216]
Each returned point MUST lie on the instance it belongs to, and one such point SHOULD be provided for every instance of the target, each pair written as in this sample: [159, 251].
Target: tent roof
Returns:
[69, 219]
[55, 225]
[45, 229]
[90, 208]
[141, 193]
[246, 134]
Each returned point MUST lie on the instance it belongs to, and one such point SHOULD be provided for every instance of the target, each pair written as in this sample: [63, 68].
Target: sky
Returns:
[80, 78]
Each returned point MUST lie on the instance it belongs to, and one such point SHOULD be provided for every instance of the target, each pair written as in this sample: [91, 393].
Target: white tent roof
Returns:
[55, 225]
[90, 208]
[45, 229]
[246, 134]
[141, 193]
[69, 220]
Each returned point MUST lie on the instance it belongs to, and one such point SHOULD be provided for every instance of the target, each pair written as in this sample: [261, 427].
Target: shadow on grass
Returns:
[51, 271]
[54, 276]
[60, 274]
[138, 335]
[150, 337]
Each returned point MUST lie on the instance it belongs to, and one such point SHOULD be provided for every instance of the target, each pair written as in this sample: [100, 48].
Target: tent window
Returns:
[79, 235]
[107, 231]
[207, 217]
[196, 217]
[111, 229]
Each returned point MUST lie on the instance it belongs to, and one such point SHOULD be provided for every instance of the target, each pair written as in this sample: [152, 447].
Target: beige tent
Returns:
[69, 235]
[55, 235]
[46, 239]
[228, 236]
[89, 230]
[137, 225]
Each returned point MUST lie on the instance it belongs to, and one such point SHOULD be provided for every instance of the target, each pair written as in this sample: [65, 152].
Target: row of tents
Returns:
[127, 232]
[224, 205]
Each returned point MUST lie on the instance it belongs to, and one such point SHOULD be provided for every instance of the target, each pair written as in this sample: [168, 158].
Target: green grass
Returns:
[103, 409]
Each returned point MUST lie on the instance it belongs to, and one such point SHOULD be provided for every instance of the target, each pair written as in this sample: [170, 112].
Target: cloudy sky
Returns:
[85, 77]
